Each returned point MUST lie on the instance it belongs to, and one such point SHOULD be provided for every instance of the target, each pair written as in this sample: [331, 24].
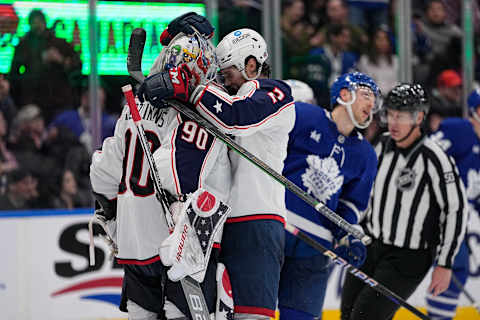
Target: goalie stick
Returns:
[191, 288]
[134, 69]
[354, 271]
[134, 66]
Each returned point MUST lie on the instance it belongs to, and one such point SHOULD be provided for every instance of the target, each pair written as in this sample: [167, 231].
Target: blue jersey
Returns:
[337, 170]
[457, 137]
[260, 117]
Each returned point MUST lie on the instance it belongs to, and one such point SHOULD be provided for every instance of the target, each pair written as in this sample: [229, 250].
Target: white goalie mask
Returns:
[195, 51]
[237, 46]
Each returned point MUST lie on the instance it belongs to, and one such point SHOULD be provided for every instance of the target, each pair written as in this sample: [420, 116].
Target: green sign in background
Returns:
[116, 20]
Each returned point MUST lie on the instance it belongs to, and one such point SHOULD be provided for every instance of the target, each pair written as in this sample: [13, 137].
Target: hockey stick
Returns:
[191, 288]
[354, 271]
[134, 69]
[193, 292]
[134, 65]
[460, 286]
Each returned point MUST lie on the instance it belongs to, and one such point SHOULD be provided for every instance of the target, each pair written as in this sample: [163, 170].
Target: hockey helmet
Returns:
[405, 97]
[353, 81]
[301, 91]
[237, 46]
[195, 51]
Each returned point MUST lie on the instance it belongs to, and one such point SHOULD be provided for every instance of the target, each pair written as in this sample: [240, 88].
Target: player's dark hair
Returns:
[266, 68]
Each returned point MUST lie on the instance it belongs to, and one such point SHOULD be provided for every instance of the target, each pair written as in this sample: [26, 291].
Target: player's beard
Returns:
[232, 90]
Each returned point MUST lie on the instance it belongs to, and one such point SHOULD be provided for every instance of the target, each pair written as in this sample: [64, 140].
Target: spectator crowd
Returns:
[45, 131]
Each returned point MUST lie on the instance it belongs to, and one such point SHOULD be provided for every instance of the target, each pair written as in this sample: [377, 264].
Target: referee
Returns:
[417, 213]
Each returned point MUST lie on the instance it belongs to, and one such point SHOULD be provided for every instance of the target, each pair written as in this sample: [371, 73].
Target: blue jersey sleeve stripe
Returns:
[236, 127]
[226, 97]
[218, 93]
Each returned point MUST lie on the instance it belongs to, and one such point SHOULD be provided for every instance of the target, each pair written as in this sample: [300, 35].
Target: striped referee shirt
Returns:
[418, 200]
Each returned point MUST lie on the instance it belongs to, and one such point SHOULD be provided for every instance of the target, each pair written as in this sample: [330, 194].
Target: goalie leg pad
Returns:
[135, 312]
[200, 223]
[224, 309]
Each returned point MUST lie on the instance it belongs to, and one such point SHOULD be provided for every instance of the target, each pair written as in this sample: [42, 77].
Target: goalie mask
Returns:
[195, 51]
[354, 81]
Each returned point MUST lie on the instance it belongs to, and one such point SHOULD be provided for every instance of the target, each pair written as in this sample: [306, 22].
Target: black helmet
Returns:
[407, 97]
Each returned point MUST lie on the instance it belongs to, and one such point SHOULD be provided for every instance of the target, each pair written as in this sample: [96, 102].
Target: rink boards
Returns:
[45, 272]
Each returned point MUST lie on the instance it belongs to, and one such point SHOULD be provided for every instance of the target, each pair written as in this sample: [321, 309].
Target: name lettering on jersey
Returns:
[449, 177]
[406, 179]
[150, 113]
[218, 106]
[315, 136]
[322, 178]
[473, 184]
[338, 152]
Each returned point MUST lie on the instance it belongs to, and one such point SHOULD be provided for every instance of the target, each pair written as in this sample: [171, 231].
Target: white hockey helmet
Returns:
[195, 51]
[301, 91]
[237, 46]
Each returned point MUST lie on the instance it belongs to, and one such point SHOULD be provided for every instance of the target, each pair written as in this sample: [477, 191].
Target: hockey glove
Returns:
[187, 23]
[104, 207]
[199, 224]
[173, 83]
[352, 250]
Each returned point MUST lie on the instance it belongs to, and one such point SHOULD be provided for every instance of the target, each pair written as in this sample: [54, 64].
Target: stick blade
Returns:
[135, 52]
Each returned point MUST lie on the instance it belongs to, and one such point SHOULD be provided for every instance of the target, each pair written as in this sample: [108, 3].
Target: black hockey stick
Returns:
[134, 68]
[354, 271]
[134, 65]
[460, 286]
[191, 288]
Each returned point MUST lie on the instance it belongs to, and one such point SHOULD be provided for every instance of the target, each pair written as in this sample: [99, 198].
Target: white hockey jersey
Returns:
[184, 159]
[260, 117]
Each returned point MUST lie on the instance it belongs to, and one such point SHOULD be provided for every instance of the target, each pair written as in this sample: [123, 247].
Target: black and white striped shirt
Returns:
[418, 200]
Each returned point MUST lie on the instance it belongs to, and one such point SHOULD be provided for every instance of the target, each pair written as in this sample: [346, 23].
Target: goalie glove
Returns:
[173, 83]
[352, 250]
[105, 215]
[200, 223]
[187, 23]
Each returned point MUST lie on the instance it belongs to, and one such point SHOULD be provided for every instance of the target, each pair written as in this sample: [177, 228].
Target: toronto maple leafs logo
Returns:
[322, 177]
[473, 184]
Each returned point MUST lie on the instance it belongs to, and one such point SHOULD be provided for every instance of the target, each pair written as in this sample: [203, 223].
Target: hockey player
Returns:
[460, 138]
[120, 178]
[329, 158]
[260, 114]
[417, 211]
